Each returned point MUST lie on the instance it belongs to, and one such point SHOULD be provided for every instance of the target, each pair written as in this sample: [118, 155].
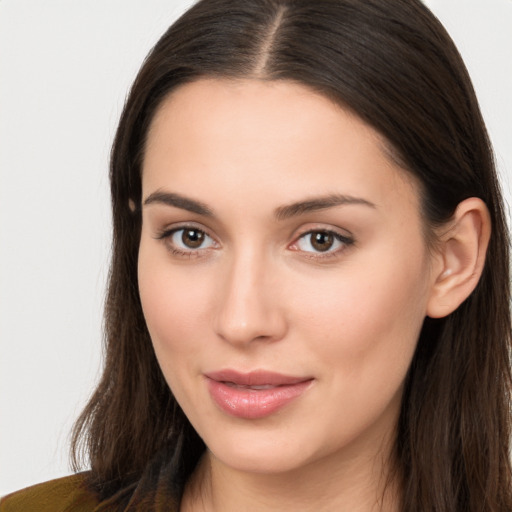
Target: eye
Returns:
[322, 241]
[187, 240]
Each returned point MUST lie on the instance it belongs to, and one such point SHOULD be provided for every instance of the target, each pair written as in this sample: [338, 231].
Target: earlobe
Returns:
[461, 257]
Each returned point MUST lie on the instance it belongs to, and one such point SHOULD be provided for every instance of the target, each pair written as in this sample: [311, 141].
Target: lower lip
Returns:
[254, 403]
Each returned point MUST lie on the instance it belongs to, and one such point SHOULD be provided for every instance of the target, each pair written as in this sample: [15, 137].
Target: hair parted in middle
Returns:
[392, 64]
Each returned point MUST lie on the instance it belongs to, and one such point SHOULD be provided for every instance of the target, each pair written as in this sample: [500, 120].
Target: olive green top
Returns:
[70, 494]
[158, 489]
[66, 494]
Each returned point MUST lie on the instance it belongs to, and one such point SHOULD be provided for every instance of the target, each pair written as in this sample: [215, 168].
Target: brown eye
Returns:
[321, 240]
[187, 240]
[192, 238]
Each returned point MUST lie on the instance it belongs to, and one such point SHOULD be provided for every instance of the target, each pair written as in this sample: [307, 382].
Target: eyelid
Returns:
[323, 228]
[166, 234]
[343, 236]
[170, 228]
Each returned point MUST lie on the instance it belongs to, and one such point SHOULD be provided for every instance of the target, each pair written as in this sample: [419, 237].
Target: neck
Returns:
[355, 484]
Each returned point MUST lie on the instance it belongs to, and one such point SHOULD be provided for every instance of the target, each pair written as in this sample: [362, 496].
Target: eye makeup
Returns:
[188, 240]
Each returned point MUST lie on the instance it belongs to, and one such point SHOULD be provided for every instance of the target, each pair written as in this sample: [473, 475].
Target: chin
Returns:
[258, 461]
[262, 450]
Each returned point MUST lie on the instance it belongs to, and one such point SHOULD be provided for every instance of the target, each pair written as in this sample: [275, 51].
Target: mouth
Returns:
[255, 388]
[256, 394]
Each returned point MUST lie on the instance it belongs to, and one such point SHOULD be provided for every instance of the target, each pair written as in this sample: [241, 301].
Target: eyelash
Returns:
[166, 237]
[346, 241]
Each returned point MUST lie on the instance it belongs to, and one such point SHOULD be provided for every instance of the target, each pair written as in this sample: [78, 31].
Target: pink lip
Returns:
[256, 394]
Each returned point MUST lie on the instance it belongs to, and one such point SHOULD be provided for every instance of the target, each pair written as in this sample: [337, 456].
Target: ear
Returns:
[461, 257]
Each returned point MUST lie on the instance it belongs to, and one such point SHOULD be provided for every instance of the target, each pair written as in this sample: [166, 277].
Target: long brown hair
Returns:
[393, 64]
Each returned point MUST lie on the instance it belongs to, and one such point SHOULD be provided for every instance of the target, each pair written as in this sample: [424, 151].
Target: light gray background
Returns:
[65, 68]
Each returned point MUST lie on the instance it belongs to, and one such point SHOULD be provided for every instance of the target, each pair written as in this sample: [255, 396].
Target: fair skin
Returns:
[332, 291]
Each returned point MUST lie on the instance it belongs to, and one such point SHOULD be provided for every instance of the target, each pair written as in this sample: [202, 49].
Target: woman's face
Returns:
[283, 273]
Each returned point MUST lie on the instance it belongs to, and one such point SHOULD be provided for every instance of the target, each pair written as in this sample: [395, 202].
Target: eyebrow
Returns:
[319, 203]
[178, 201]
[280, 213]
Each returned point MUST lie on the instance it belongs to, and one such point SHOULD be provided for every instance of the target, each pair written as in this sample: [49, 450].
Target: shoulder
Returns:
[68, 494]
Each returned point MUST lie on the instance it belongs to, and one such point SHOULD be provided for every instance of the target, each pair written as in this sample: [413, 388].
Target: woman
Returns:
[309, 299]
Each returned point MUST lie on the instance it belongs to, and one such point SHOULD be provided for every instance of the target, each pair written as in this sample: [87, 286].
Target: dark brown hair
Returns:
[393, 64]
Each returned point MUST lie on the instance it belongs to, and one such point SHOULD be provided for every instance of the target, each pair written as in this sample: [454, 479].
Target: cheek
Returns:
[366, 320]
[174, 303]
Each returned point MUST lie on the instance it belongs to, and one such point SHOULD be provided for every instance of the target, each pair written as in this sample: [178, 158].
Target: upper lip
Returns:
[255, 378]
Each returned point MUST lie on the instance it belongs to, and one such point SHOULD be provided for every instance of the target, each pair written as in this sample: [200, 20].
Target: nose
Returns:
[248, 309]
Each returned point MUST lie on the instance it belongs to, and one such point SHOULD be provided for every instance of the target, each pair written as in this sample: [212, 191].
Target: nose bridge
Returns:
[247, 309]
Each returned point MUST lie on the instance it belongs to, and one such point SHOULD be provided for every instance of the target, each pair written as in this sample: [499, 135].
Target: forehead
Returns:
[254, 107]
[269, 138]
